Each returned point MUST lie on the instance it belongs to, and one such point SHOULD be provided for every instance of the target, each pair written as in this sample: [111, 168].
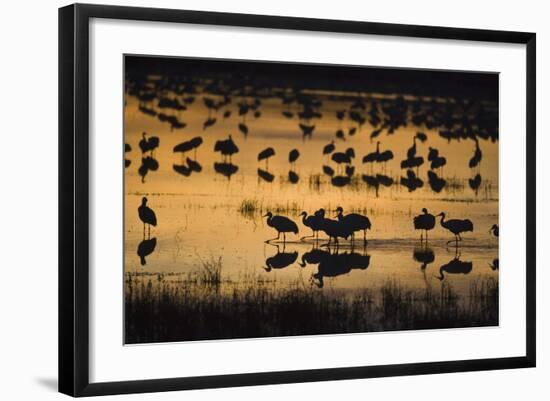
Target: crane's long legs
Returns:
[273, 239]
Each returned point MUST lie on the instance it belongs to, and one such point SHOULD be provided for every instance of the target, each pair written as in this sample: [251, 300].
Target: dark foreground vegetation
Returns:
[202, 307]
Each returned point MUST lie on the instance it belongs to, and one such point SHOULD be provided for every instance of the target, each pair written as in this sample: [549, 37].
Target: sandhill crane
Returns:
[424, 222]
[146, 215]
[282, 224]
[456, 226]
[243, 128]
[187, 146]
[476, 158]
[354, 222]
[494, 265]
[411, 152]
[226, 147]
[494, 230]
[343, 157]
[372, 157]
[265, 155]
[314, 222]
[148, 144]
[333, 228]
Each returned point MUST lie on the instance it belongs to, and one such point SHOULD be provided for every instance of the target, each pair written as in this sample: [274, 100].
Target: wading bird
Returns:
[148, 144]
[147, 215]
[226, 147]
[187, 146]
[424, 222]
[354, 222]
[494, 230]
[476, 158]
[456, 226]
[265, 155]
[314, 221]
[282, 224]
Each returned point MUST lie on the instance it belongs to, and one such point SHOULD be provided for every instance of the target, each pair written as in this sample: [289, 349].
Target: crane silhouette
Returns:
[147, 216]
[476, 158]
[334, 230]
[343, 157]
[293, 155]
[424, 222]
[314, 221]
[372, 157]
[494, 230]
[226, 147]
[187, 146]
[265, 155]
[354, 222]
[456, 226]
[148, 144]
[282, 224]
[437, 162]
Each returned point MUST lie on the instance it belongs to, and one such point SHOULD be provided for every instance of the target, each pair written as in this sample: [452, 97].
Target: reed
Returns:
[205, 307]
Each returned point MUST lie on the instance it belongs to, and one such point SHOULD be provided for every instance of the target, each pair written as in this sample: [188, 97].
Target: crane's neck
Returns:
[442, 219]
[377, 147]
[304, 217]
[441, 276]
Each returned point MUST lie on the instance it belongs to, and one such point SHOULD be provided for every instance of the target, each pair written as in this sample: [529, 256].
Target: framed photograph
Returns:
[249, 199]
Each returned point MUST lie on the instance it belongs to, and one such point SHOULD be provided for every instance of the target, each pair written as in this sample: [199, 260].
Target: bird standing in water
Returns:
[282, 224]
[424, 222]
[147, 215]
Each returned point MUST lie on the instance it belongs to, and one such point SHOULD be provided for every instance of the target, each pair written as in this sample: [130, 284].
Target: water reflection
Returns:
[454, 266]
[424, 255]
[226, 169]
[411, 181]
[281, 259]
[265, 175]
[146, 248]
[337, 264]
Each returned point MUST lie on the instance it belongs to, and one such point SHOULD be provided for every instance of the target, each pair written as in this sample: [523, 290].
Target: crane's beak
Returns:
[265, 215]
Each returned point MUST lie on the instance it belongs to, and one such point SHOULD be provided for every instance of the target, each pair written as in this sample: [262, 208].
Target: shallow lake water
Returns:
[208, 215]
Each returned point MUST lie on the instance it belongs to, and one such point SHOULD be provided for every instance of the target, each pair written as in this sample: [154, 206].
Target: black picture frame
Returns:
[74, 198]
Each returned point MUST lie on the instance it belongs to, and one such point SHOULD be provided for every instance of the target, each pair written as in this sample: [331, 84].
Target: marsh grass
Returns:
[202, 306]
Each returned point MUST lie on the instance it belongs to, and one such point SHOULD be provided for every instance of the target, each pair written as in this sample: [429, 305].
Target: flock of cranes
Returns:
[332, 264]
[344, 226]
[343, 159]
[457, 119]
